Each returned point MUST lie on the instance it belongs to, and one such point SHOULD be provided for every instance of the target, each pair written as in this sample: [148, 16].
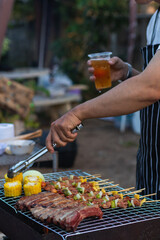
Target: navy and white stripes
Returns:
[148, 156]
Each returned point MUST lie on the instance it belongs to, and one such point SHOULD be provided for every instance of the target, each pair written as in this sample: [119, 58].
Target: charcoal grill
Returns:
[117, 224]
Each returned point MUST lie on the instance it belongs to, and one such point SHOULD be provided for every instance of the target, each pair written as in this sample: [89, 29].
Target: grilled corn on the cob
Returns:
[12, 189]
[18, 177]
[32, 188]
[28, 179]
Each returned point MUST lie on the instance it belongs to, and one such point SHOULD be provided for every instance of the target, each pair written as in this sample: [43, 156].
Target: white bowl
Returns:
[21, 147]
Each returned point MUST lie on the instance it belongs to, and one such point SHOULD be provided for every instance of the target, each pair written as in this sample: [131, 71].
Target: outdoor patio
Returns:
[44, 47]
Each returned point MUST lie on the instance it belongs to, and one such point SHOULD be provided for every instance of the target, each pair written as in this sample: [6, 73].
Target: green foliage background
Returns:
[87, 27]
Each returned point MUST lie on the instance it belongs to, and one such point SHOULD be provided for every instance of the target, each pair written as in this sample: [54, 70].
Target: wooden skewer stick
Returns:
[94, 177]
[123, 190]
[127, 189]
[148, 195]
[105, 183]
[138, 191]
[88, 176]
[154, 201]
[110, 186]
[104, 180]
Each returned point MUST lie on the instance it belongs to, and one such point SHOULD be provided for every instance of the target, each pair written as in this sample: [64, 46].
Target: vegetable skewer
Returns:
[91, 193]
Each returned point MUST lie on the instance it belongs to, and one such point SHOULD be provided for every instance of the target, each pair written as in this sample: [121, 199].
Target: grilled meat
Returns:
[24, 202]
[57, 209]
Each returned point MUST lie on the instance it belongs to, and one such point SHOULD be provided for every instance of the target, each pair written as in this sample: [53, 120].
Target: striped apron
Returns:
[148, 156]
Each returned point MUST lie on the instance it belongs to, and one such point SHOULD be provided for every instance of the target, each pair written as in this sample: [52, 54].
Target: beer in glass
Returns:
[101, 67]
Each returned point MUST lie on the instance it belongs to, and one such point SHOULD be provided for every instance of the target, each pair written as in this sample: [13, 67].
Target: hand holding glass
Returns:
[101, 67]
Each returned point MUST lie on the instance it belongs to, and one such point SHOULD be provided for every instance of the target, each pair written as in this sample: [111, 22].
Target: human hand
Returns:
[118, 69]
[61, 131]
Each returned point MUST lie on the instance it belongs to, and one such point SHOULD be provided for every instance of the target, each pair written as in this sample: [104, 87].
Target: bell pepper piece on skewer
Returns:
[113, 205]
[143, 201]
[136, 196]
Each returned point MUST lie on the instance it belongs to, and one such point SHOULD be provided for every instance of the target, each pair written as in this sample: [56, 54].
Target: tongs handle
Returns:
[22, 165]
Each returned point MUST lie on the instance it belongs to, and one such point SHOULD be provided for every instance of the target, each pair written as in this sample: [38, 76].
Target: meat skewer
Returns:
[80, 192]
[97, 197]
[74, 188]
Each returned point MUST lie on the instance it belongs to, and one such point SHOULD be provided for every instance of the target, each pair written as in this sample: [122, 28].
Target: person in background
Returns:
[137, 91]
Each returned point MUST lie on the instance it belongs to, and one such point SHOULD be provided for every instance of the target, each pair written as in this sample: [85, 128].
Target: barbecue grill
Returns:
[131, 223]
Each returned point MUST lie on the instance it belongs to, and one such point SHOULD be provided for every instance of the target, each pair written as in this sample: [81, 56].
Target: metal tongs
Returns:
[25, 164]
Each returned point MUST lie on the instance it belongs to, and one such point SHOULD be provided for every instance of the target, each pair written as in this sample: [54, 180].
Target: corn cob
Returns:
[12, 189]
[28, 179]
[18, 177]
[32, 188]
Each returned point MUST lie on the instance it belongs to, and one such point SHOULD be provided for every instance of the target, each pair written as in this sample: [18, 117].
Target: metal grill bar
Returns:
[112, 218]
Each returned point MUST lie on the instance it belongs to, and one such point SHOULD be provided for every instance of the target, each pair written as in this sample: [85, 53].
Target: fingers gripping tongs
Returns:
[25, 164]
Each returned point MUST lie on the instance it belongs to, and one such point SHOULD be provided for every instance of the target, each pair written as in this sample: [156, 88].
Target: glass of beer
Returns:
[101, 67]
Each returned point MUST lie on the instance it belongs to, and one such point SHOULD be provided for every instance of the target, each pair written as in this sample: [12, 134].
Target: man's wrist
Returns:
[77, 112]
[129, 72]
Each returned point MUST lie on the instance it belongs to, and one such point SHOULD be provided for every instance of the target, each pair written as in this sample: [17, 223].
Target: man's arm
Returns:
[127, 97]
[131, 95]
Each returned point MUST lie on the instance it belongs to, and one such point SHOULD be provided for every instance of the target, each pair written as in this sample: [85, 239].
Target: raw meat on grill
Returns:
[57, 209]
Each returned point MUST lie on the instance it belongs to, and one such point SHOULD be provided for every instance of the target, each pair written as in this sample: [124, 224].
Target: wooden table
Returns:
[57, 106]
[25, 73]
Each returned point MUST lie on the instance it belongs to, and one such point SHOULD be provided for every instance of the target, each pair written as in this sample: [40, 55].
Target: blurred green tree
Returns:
[87, 27]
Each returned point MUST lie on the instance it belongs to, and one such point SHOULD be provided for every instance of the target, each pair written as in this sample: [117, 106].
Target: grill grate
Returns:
[111, 217]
